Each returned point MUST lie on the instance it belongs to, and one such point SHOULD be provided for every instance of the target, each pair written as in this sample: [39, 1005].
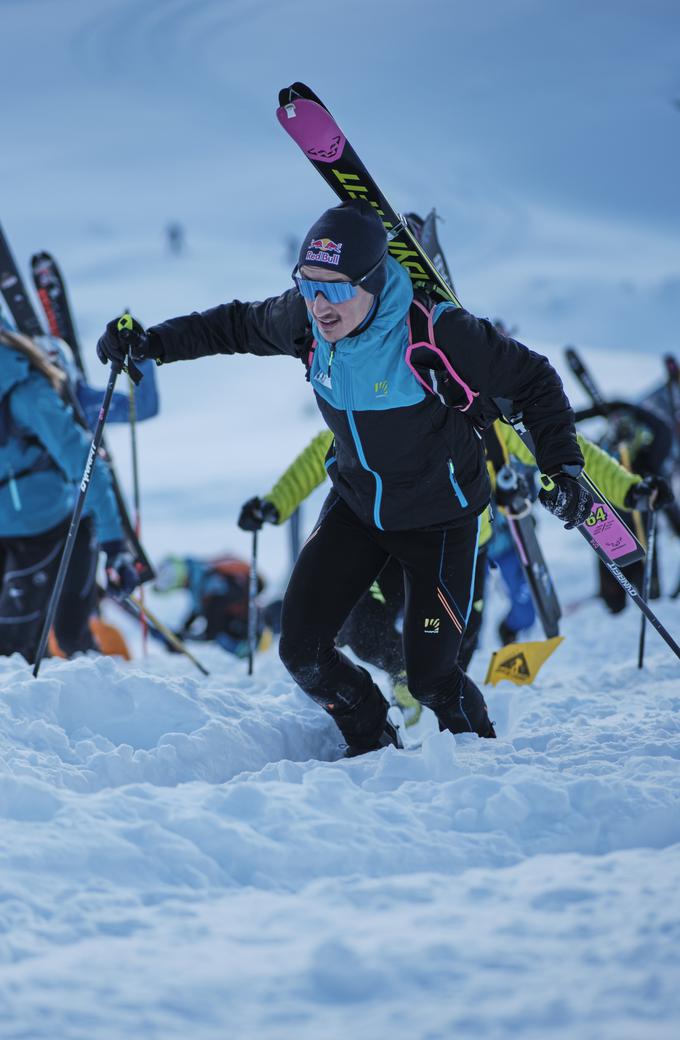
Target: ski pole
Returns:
[137, 502]
[647, 578]
[627, 587]
[294, 524]
[116, 368]
[166, 632]
[252, 605]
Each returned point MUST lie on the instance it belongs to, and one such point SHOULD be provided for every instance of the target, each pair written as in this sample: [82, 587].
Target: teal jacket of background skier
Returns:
[39, 437]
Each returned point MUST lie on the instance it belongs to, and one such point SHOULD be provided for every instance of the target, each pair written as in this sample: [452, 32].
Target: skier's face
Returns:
[336, 320]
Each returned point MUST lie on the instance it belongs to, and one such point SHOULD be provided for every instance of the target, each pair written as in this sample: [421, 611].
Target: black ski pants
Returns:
[31, 566]
[372, 629]
[338, 563]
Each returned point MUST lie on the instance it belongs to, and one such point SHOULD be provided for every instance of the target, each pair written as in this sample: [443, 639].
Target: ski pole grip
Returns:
[548, 484]
[125, 326]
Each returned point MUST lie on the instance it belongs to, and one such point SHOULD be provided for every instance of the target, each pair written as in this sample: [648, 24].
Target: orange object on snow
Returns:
[108, 638]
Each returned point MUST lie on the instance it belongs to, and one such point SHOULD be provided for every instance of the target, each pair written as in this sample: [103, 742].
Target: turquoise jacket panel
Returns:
[367, 372]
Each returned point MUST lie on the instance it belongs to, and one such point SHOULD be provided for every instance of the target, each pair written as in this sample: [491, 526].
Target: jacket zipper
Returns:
[14, 491]
[346, 395]
[456, 486]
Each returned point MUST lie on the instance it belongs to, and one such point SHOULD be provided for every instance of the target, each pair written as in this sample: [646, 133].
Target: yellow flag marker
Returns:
[519, 663]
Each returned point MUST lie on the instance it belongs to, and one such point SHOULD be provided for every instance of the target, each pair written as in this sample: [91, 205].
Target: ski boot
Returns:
[389, 735]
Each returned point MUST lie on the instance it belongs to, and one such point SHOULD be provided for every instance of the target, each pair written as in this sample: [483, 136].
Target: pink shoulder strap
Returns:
[431, 345]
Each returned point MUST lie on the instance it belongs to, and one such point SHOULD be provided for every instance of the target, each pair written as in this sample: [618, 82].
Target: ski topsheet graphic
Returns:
[312, 127]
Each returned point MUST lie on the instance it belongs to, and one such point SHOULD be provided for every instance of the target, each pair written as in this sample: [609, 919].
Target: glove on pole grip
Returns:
[125, 326]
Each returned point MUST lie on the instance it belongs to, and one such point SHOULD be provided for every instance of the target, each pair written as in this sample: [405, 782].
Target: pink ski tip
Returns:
[313, 129]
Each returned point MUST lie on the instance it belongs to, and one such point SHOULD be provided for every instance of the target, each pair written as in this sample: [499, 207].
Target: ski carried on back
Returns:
[14, 292]
[51, 289]
[426, 233]
[308, 122]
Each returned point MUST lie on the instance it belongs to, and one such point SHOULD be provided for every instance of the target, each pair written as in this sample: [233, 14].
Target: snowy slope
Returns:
[189, 857]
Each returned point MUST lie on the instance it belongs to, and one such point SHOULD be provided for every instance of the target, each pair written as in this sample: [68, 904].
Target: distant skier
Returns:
[176, 238]
[42, 458]
[407, 463]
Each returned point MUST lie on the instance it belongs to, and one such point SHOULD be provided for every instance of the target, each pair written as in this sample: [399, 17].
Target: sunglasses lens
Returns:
[335, 292]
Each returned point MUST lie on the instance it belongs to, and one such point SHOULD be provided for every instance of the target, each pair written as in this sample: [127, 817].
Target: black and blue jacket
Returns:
[405, 454]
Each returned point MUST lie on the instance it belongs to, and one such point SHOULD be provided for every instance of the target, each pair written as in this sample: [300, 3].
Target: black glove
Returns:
[117, 343]
[255, 512]
[651, 493]
[567, 500]
[120, 568]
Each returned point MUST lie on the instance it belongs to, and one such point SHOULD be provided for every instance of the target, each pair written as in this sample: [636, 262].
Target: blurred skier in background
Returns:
[218, 587]
[42, 458]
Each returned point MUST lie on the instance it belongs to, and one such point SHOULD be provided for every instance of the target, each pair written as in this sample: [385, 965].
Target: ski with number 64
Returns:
[308, 122]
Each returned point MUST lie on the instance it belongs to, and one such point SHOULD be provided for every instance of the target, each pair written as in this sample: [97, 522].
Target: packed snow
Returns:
[192, 856]
[189, 856]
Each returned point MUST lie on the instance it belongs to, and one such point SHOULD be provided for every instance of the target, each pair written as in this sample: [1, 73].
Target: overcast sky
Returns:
[545, 134]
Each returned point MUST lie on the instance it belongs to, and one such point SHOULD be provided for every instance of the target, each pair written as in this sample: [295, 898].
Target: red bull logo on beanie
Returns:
[324, 251]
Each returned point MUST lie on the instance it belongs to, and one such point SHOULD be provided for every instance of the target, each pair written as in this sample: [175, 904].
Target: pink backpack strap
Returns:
[310, 356]
[431, 345]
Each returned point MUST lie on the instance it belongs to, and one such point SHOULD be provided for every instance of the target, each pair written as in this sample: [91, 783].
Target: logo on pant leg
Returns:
[431, 626]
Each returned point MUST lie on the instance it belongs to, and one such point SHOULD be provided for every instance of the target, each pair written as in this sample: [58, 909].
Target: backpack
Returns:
[436, 374]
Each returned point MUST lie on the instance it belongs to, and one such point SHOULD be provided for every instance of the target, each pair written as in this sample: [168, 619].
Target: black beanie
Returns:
[349, 238]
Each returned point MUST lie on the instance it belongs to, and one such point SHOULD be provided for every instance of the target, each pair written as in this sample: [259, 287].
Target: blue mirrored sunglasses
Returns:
[335, 292]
